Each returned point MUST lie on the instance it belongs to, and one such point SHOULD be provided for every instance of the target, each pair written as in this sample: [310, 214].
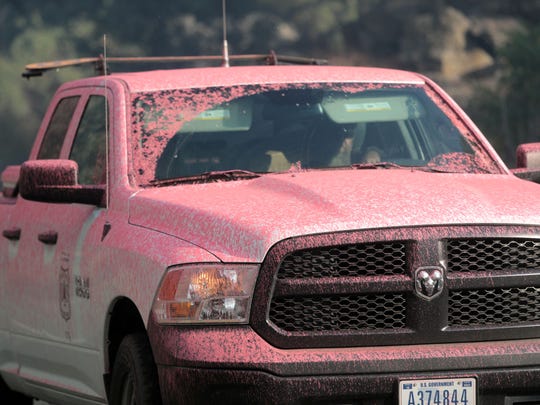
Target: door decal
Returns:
[65, 304]
[82, 287]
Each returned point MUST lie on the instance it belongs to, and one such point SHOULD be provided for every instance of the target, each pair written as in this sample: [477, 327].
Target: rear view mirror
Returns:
[528, 162]
[55, 180]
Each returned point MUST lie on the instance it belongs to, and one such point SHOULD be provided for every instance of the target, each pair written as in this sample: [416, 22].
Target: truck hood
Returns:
[240, 220]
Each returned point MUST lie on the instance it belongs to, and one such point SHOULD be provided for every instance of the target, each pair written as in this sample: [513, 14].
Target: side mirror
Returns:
[528, 162]
[528, 156]
[10, 181]
[55, 180]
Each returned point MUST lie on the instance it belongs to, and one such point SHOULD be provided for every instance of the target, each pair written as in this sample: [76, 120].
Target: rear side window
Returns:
[58, 126]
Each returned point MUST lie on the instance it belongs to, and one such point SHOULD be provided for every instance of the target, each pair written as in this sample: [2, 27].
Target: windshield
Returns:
[264, 129]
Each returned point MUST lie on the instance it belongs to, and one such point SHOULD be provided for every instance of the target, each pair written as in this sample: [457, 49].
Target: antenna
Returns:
[225, 43]
[104, 68]
[107, 143]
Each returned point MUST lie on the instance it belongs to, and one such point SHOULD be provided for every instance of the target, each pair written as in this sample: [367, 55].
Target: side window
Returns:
[58, 126]
[89, 146]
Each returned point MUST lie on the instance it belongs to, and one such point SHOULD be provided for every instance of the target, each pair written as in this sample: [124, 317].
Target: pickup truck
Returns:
[268, 234]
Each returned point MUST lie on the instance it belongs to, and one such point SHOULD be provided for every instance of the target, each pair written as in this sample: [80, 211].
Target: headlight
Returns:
[206, 294]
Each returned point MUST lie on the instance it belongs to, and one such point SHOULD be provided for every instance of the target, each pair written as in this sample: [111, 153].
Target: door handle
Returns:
[49, 238]
[12, 233]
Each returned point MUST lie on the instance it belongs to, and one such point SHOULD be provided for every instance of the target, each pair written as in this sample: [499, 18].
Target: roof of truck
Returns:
[247, 75]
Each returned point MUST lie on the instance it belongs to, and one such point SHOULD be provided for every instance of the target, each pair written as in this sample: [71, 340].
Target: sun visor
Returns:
[348, 110]
[236, 115]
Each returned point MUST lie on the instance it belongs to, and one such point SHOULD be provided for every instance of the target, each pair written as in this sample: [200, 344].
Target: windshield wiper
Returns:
[377, 165]
[208, 177]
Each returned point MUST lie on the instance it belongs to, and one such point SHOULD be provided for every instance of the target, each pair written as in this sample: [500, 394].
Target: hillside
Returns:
[456, 42]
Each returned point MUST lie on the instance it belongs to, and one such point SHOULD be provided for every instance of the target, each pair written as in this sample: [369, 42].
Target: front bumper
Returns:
[198, 386]
[235, 365]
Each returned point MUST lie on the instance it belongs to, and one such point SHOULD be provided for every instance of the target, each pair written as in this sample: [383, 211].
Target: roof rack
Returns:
[101, 63]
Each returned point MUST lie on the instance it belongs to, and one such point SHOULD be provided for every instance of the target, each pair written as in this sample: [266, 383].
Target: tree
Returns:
[508, 114]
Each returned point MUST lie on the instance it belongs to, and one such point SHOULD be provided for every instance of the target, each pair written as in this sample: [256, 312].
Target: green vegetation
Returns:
[32, 31]
[509, 112]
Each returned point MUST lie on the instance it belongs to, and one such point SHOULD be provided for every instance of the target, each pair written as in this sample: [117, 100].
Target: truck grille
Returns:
[501, 306]
[360, 289]
[477, 255]
[383, 259]
[339, 312]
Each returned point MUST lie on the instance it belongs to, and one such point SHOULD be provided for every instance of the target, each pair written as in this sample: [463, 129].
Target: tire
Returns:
[134, 377]
[8, 396]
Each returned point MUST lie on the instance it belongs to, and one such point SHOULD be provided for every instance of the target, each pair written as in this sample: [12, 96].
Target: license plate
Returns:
[440, 391]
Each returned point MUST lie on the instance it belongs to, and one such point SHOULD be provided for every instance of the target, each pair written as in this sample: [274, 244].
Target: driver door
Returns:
[48, 274]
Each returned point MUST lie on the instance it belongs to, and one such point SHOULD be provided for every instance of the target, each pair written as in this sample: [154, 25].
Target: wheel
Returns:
[8, 396]
[134, 377]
